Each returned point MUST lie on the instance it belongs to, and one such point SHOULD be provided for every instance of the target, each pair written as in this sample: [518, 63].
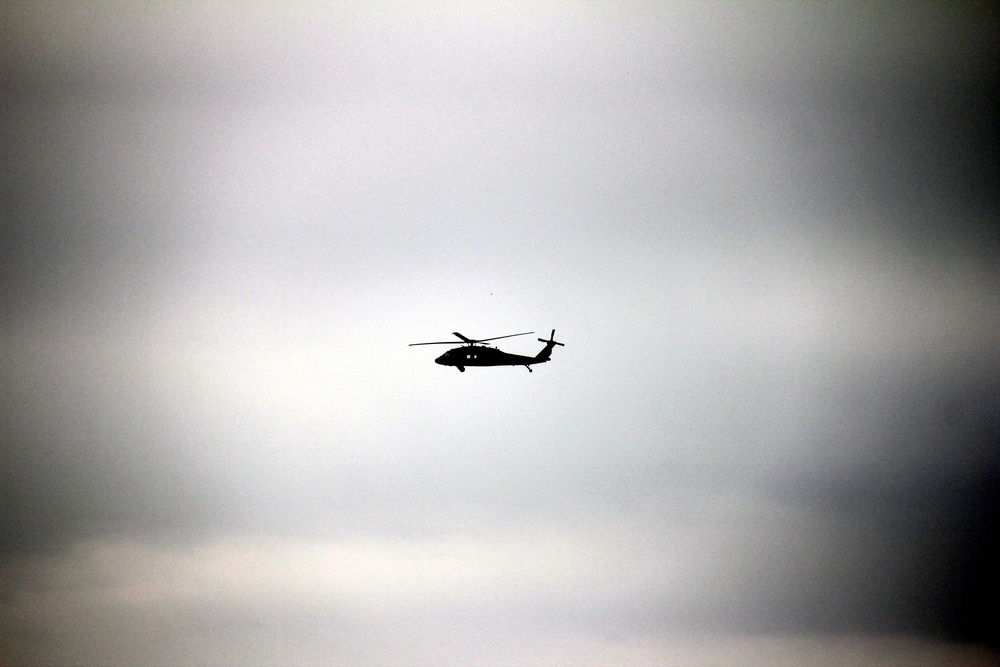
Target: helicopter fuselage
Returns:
[481, 355]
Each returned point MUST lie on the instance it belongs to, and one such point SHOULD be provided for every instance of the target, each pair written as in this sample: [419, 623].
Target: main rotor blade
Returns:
[440, 342]
[470, 341]
[483, 340]
[449, 342]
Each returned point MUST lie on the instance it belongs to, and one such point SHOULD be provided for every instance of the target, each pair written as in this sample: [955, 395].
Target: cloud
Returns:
[764, 237]
[542, 594]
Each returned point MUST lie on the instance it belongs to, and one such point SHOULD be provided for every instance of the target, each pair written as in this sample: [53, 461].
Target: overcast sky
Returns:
[767, 235]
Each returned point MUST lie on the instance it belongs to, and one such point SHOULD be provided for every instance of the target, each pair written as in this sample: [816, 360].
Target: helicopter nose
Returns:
[440, 360]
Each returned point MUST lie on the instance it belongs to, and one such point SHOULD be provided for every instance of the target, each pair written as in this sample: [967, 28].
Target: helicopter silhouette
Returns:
[474, 352]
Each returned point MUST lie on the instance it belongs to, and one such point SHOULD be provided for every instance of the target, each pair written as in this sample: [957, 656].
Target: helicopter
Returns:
[474, 352]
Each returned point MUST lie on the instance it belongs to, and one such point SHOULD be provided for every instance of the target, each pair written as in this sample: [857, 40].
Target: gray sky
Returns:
[767, 235]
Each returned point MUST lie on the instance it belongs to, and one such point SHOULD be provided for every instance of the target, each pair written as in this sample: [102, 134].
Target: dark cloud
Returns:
[910, 143]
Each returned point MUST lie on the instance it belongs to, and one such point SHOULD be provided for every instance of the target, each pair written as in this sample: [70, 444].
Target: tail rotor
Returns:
[552, 339]
[546, 352]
